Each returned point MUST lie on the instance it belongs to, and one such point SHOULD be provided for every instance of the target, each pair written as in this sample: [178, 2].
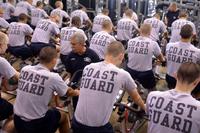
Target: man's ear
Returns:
[196, 82]
[175, 76]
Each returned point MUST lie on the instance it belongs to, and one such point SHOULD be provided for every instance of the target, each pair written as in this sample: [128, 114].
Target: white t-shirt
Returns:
[173, 112]
[44, 30]
[97, 22]
[79, 13]
[17, 32]
[35, 90]
[23, 7]
[62, 15]
[36, 15]
[6, 70]
[157, 27]
[65, 36]
[3, 23]
[140, 51]
[100, 84]
[100, 41]
[134, 16]
[178, 53]
[8, 10]
[125, 29]
[176, 29]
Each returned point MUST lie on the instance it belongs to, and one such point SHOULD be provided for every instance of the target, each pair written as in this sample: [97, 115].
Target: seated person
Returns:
[44, 31]
[8, 72]
[99, 87]
[176, 111]
[65, 36]
[78, 58]
[35, 89]
[140, 51]
[17, 33]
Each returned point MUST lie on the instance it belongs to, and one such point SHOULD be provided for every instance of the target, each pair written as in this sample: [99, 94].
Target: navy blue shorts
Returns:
[80, 128]
[48, 124]
[171, 81]
[23, 52]
[37, 46]
[145, 78]
[6, 109]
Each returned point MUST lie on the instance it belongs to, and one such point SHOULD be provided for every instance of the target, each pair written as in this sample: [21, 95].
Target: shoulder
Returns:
[3, 60]
[91, 52]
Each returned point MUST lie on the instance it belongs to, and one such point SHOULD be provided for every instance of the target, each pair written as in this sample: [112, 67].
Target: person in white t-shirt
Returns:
[3, 23]
[176, 111]
[133, 17]
[9, 73]
[35, 90]
[65, 36]
[126, 28]
[85, 20]
[9, 9]
[102, 39]
[158, 27]
[98, 20]
[178, 24]
[17, 33]
[99, 86]
[23, 7]
[45, 30]
[37, 14]
[180, 52]
[140, 51]
[59, 11]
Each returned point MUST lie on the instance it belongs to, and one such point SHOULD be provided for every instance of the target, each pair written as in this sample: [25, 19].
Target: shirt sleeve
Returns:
[194, 29]
[65, 15]
[85, 16]
[59, 85]
[44, 14]
[28, 30]
[4, 23]
[156, 49]
[95, 57]
[55, 29]
[6, 69]
[128, 83]
[12, 9]
[163, 27]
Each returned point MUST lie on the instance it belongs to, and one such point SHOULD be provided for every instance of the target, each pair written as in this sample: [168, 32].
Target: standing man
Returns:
[98, 20]
[140, 51]
[180, 52]
[35, 89]
[9, 73]
[102, 39]
[78, 58]
[172, 14]
[99, 86]
[178, 24]
[176, 111]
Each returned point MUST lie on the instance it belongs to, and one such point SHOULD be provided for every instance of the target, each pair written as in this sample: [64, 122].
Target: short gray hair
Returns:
[3, 38]
[78, 37]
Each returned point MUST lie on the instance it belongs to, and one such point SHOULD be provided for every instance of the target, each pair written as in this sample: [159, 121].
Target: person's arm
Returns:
[137, 98]
[131, 87]
[72, 92]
